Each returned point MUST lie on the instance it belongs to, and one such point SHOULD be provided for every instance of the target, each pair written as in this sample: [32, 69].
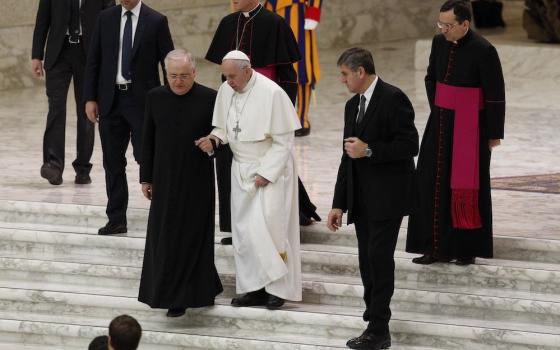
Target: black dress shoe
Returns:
[226, 241]
[429, 259]
[425, 260]
[112, 229]
[302, 132]
[51, 173]
[256, 298]
[176, 312]
[274, 302]
[370, 341]
[82, 179]
[464, 261]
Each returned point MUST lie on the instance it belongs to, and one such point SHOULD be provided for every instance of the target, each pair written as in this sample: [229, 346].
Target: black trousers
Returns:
[122, 125]
[69, 66]
[223, 173]
[377, 240]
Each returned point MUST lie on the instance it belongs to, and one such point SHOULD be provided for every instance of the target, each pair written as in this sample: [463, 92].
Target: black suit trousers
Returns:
[377, 240]
[122, 125]
[69, 66]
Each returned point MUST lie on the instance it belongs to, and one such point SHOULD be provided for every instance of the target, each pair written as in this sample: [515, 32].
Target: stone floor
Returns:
[530, 145]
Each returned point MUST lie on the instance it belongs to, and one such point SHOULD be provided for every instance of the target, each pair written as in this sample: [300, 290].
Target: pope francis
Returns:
[257, 119]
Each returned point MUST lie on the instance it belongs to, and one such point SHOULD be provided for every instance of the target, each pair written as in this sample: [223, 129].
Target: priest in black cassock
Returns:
[178, 270]
[272, 48]
[465, 86]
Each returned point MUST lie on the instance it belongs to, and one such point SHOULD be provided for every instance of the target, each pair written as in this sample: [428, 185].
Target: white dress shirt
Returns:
[368, 93]
[135, 13]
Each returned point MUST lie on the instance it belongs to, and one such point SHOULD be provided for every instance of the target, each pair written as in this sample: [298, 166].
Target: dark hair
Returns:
[125, 333]
[355, 58]
[461, 9]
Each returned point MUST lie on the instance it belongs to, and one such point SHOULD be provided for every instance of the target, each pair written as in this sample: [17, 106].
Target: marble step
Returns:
[25, 344]
[201, 338]
[127, 251]
[480, 303]
[77, 331]
[87, 219]
[494, 273]
[319, 325]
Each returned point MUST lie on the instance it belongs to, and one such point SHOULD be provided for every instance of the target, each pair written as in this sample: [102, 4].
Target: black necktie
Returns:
[74, 25]
[127, 46]
[362, 111]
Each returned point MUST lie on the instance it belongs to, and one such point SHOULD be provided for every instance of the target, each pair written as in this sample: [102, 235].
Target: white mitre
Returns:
[268, 111]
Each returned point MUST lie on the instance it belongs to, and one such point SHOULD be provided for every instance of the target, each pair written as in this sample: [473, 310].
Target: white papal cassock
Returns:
[259, 123]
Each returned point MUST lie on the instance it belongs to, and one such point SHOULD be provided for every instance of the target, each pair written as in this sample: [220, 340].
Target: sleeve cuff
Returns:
[313, 13]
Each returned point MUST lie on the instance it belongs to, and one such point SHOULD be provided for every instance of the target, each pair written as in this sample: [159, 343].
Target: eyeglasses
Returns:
[446, 26]
[179, 77]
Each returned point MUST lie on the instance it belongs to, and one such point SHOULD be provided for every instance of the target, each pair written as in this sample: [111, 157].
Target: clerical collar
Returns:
[252, 12]
[250, 83]
[464, 37]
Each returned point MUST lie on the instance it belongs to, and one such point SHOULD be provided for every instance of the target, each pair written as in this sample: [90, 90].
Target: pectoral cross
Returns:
[237, 130]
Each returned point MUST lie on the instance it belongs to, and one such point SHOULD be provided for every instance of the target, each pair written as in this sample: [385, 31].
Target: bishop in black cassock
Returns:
[270, 44]
[452, 218]
[178, 270]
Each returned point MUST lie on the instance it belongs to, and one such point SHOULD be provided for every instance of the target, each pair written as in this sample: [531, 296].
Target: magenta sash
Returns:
[268, 71]
[466, 102]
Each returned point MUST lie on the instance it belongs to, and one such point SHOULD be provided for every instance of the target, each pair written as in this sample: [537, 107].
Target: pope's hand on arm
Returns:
[206, 143]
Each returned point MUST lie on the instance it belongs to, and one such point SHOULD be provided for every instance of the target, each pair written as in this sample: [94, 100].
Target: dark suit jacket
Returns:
[52, 20]
[384, 181]
[152, 42]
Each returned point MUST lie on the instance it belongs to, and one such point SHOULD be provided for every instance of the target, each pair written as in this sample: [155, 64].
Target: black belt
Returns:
[124, 87]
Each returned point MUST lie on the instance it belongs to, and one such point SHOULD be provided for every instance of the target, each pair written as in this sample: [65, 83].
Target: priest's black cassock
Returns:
[272, 48]
[472, 62]
[178, 269]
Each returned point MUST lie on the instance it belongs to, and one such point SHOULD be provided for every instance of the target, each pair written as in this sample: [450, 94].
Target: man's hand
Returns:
[494, 143]
[37, 68]
[334, 220]
[355, 148]
[260, 181]
[92, 111]
[205, 144]
[147, 190]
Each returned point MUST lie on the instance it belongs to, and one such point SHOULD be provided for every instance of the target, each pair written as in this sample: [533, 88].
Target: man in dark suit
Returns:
[65, 27]
[128, 44]
[374, 184]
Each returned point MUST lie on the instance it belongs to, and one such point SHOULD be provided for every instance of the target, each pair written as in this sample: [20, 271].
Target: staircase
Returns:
[61, 284]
